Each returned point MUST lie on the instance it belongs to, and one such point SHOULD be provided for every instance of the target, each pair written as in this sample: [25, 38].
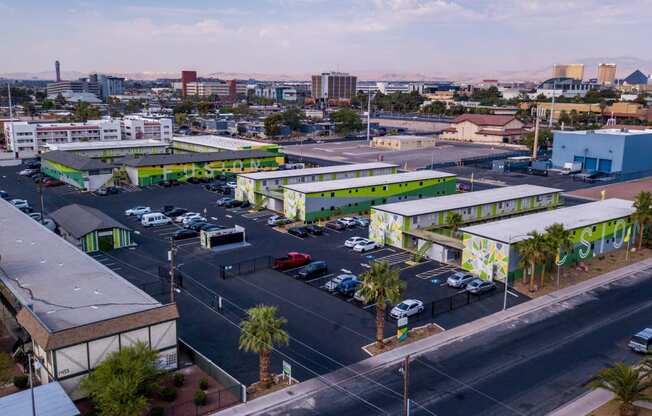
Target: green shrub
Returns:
[168, 393]
[179, 378]
[203, 384]
[199, 397]
[156, 411]
[21, 381]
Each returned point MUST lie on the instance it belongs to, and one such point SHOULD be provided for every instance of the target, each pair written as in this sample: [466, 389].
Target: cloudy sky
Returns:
[302, 36]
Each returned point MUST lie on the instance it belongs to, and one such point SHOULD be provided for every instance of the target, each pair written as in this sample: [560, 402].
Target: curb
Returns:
[417, 348]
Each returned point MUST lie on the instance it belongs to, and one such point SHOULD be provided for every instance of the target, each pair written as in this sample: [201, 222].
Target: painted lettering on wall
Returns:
[585, 246]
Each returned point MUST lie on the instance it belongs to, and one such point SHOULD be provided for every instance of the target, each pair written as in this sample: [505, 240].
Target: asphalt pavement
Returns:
[527, 366]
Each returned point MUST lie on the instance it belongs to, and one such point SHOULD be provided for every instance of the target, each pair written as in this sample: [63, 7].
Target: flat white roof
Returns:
[464, 200]
[367, 181]
[218, 142]
[515, 229]
[63, 286]
[615, 132]
[293, 173]
[112, 144]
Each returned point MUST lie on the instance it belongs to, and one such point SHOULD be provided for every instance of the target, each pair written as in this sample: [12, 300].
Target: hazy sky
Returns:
[301, 36]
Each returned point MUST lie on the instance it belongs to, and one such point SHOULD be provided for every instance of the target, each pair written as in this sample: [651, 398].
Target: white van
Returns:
[154, 218]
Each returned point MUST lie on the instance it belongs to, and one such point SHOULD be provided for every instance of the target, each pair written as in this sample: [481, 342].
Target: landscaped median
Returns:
[413, 335]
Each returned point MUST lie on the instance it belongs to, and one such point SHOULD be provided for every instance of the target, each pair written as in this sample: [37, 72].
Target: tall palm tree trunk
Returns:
[380, 325]
[532, 267]
[543, 274]
[641, 229]
[263, 369]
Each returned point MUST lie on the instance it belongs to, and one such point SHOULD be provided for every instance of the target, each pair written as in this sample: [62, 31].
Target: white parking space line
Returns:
[318, 278]
[189, 243]
[368, 306]
[512, 293]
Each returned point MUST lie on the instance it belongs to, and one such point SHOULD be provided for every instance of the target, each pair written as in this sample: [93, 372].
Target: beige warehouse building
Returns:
[403, 142]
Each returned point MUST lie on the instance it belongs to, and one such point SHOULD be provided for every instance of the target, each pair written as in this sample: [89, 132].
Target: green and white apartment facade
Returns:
[211, 143]
[81, 172]
[110, 151]
[154, 169]
[265, 188]
[411, 224]
[322, 200]
[490, 250]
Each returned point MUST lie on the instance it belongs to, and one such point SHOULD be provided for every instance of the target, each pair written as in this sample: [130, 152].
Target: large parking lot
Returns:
[327, 330]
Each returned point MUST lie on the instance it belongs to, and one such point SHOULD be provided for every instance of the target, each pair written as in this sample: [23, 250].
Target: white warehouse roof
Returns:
[367, 181]
[515, 229]
[109, 144]
[218, 142]
[464, 200]
[292, 173]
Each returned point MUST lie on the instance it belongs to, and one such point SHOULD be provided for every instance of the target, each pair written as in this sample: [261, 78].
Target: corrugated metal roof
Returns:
[367, 181]
[80, 220]
[515, 229]
[50, 400]
[153, 160]
[293, 173]
[464, 200]
[75, 161]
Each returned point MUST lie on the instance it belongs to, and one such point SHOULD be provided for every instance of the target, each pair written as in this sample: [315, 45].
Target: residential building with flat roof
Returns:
[138, 127]
[213, 143]
[323, 200]
[491, 252]
[412, 224]
[33, 136]
[155, 169]
[110, 151]
[264, 188]
[75, 309]
[611, 151]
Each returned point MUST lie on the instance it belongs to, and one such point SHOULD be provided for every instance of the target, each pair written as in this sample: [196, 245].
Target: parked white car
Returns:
[187, 220]
[139, 210]
[231, 184]
[363, 246]
[406, 308]
[353, 241]
[27, 172]
[182, 217]
[19, 203]
[348, 221]
[358, 296]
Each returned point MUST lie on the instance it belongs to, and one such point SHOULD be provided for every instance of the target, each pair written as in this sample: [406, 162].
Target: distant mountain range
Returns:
[626, 65]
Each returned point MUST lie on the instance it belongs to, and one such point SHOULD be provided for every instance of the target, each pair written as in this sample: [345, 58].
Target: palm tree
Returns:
[260, 332]
[643, 213]
[626, 383]
[381, 285]
[558, 240]
[454, 220]
[532, 251]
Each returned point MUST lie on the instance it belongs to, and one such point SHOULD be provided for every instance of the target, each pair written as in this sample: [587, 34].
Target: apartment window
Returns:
[384, 187]
[421, 183]
[332, 194]
[595, 227]
[373, 189]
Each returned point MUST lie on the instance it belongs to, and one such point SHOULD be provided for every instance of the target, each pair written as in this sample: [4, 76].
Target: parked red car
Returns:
[292, 260]
[49, 183]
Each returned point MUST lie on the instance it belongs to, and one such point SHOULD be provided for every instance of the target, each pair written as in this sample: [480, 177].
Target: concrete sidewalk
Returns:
[395, 356]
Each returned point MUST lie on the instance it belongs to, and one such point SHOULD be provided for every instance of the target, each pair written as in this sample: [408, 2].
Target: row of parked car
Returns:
[347, 222]
[24, 206]
[466, 281]
[361, 244]
[192, 222]
[36, 175]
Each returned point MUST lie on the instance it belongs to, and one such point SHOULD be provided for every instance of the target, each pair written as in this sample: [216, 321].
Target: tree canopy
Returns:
[118, 384]
[346, 120]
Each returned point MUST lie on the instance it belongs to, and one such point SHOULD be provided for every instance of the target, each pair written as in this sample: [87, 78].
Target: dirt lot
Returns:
[625, 190]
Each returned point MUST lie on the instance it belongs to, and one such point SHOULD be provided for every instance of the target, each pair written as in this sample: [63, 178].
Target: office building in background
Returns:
[606, 74]
[187, 77]
[333, 85]
[110, 85]
[575, 71]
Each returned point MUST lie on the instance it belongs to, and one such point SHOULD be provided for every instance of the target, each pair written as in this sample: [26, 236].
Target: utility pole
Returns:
[552, 108]
[11, 120]
[535, 146]
[369, 116]
[406, 369]
[171, 257]
[31, 383]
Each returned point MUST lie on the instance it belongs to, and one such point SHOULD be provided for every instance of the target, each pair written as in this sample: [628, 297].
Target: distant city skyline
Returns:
[310, 36]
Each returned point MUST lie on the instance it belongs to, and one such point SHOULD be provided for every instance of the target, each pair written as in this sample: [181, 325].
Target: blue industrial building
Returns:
[614, 151]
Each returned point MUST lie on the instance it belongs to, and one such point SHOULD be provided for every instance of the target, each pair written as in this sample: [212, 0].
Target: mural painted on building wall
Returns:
[485, 258]
[294, 204]
[386, 228]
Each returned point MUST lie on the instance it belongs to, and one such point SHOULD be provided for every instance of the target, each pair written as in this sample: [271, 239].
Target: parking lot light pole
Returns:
[406, 370]
[173, 251]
